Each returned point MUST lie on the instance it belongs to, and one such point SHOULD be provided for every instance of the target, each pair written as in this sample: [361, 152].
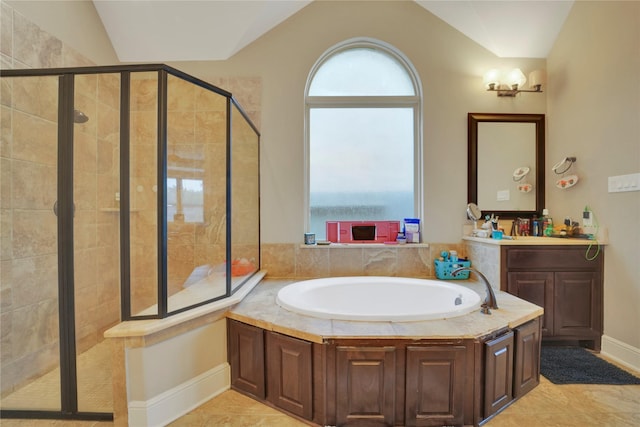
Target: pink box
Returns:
[362, 231]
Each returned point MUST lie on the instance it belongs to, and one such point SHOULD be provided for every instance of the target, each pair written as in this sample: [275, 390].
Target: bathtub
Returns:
[372, 298]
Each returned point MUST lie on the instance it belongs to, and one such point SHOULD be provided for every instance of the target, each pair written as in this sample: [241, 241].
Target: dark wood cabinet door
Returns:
[498, 366]
[435, 383]
[246, 357]
[365, 385]
[289, 370]
[526, 372]
[535, 287]
[578, 304]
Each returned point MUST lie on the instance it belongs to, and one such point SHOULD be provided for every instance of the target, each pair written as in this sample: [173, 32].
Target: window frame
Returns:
[413, 101]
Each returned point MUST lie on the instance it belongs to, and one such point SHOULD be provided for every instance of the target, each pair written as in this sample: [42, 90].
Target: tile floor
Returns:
[547, 405]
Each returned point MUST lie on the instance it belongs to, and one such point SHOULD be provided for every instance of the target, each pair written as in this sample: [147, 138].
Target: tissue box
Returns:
[412, 230]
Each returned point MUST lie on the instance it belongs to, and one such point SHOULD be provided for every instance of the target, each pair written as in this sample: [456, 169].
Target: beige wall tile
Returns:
[181, 95]
[85, 195]
[35, 326]
[34, 233]
[211, 127]
[311, 262]
[346, 262]
[380, 262]
[109, 90]
[34, 279]
[6, 234]
[6, 183]
[37, 96]
[85, 149]
[6, 85]
[415, 262]
[34, 139]
[34, 185]
[6, 29]
[144, 91]
[34, 47]
[278, 259]
[180, 127]
[6, 130]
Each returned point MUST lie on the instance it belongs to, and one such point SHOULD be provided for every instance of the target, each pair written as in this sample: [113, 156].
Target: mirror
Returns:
[506, 163]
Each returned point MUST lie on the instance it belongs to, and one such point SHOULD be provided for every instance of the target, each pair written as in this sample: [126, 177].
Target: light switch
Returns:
[503, 195]
[622, 183]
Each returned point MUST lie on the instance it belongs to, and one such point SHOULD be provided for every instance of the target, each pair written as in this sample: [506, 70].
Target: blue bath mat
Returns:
[576, 365]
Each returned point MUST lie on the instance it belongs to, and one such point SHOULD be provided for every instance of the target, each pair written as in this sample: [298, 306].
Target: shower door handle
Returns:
[55, 208]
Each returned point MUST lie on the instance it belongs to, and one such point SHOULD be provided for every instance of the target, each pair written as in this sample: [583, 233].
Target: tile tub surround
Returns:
[295, 260]
[260, 309]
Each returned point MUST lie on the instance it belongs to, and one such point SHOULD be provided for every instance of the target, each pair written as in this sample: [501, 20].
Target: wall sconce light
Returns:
[510, 83]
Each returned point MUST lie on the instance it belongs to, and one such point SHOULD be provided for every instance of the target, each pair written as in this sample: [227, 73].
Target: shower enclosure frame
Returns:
[66, 210]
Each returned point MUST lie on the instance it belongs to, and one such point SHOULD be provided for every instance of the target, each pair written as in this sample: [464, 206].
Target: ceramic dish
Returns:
[567, 181]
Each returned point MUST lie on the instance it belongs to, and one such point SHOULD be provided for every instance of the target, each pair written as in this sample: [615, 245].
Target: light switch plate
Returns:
[503, 195]
[622, 183]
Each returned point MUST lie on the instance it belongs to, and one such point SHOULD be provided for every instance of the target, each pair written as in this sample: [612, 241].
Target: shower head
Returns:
[79, 117]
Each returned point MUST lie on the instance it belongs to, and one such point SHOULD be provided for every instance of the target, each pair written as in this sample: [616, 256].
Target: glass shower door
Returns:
[30, 371]
[96, 181]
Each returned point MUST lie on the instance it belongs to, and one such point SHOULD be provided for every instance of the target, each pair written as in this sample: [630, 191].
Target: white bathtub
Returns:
[371, 298]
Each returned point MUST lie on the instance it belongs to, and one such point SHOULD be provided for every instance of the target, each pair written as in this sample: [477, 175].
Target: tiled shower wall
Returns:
[29, 250]
[29, 275]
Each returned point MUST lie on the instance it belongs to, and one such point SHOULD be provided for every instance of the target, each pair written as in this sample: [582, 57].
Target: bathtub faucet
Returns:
[490, 300]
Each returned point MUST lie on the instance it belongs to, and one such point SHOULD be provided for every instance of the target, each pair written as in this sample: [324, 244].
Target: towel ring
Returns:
[563, 163]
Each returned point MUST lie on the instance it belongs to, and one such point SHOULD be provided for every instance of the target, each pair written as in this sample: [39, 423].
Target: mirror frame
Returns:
[472, 158]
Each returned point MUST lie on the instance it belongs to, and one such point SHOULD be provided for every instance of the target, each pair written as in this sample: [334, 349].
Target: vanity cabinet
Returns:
[564, 282]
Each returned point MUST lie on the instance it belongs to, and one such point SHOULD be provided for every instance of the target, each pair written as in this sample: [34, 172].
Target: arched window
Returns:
[363, 136]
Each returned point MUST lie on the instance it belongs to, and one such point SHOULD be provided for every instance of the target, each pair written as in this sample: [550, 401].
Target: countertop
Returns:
[260, 309]
[532, 241]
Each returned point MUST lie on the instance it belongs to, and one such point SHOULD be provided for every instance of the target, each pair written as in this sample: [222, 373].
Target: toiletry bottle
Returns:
[546, 220]
[548, 230]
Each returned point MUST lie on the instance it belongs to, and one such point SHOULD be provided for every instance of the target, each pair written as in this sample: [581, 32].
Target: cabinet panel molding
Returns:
[289, 374]
[365, 385]
[498, 384]
[435, 383]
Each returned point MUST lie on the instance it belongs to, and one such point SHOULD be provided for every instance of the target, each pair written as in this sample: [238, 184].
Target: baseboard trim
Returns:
[180, 400]
[621, 352]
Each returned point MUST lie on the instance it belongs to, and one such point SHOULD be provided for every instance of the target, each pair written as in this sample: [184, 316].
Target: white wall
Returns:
[594, 114]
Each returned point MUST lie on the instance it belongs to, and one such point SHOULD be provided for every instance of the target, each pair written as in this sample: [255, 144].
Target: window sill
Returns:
[366, 245]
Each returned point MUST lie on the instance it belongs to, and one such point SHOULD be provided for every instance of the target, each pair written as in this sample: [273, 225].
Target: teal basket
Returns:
[444, 269]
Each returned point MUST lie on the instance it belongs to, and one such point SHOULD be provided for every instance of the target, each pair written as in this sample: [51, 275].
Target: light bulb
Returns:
[492, 77]
[536, 78]
[516, 77]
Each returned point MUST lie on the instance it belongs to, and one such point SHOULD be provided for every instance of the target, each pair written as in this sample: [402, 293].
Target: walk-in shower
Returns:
[154, 176]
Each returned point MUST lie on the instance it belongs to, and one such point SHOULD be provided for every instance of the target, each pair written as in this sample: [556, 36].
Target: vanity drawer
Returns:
[551, 258]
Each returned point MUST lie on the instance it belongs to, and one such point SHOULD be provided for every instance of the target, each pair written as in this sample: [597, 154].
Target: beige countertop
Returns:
[260, 309]
[532, 241]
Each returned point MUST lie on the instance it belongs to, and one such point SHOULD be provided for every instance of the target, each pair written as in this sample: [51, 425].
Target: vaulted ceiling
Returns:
[139, 29]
